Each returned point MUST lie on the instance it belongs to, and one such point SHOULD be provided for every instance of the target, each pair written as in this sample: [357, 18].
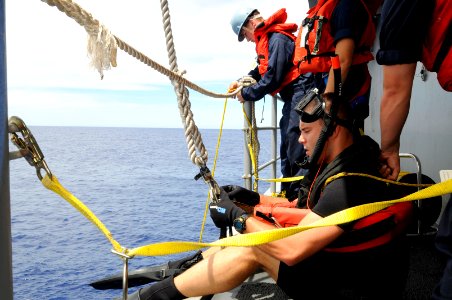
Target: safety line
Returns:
[343, 174]
[284, 179]
[263, 237]
[55, 186]
[217, 149]
[249, 239]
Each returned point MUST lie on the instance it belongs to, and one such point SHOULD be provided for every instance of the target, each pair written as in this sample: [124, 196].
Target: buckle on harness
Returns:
[28, 147]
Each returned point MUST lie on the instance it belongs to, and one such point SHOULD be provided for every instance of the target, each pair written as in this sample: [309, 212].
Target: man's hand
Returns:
[242, 195]
[390, 165]
[240, 97]
[232, 87]
[225, 211]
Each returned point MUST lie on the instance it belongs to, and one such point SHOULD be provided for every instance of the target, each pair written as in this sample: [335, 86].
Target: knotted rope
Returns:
[192, 134]
[102, 41]
[102, 48]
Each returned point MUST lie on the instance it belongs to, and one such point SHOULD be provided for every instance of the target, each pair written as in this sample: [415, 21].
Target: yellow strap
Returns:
[284, 179]
[54, 185]
[343, 174]
[258, 238]
[290, 179]
[250, 239]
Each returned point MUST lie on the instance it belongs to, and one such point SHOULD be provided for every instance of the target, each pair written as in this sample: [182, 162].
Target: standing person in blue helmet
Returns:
[276, 73]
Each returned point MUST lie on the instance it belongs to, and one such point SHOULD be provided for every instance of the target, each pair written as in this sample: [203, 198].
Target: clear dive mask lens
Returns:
[311, 107]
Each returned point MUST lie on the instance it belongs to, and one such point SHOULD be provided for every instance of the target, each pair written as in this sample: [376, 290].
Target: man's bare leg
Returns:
[224, 271]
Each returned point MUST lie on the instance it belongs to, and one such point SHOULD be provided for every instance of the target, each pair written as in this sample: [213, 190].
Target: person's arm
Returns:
[235, 84]
[344, 49]
[280, 51]
[348, 21]
[300, 246]
[395, 106]
[337, 195]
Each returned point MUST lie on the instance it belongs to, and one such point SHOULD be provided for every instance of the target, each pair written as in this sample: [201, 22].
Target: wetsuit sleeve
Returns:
[255, 74]
[280, 60]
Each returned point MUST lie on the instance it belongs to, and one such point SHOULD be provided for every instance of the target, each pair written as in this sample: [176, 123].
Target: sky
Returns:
[51, 83]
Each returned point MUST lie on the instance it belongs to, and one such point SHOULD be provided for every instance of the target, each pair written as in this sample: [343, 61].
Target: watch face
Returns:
[239, 224]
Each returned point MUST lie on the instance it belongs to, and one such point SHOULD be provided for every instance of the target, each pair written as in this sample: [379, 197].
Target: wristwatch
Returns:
[240, 223]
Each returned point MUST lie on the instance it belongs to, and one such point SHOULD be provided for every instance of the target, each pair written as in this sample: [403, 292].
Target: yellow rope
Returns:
[402, 173]
[206, 207]
[343, 174]
[251, 150]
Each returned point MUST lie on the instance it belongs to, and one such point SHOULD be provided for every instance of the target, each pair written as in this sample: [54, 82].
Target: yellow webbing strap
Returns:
[250, 239]
[258, 238]
[284, 179]
[54, 185]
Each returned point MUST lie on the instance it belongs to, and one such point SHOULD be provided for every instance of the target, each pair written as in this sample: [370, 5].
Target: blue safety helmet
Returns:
[239, 19]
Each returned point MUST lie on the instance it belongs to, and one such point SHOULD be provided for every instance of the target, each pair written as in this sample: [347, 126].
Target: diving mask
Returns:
[311, 107]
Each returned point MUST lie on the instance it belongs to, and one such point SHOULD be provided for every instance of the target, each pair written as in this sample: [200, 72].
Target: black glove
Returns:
[242, 195]
[225, 211]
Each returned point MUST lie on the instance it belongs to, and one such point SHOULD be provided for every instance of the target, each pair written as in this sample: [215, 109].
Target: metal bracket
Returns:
[125, 272]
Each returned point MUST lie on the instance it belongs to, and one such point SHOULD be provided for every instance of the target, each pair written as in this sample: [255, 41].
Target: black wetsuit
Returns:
[378, 273]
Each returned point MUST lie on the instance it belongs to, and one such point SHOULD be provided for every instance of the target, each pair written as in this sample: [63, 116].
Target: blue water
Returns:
[138, 182]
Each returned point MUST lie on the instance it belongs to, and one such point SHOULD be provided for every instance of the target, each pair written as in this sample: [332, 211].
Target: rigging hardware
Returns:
[214, 188]
[28, 147]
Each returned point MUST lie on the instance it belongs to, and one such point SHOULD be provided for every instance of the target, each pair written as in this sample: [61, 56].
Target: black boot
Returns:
[162, 290]
[149, 274]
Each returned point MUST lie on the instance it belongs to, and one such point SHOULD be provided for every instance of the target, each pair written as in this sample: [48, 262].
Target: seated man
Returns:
[304, 264]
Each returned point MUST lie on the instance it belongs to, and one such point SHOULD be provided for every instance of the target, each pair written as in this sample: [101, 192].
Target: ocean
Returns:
[138, 181]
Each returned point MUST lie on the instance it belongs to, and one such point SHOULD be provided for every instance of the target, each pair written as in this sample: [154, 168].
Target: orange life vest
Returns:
[314, 45]
[275, 23]
[437, 50]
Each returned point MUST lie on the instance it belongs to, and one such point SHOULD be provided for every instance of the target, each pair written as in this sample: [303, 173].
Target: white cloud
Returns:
[46, 56]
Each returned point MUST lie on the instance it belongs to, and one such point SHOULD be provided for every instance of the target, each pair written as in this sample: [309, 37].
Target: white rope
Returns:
[93, 27]
[102, 50]
[197, 151]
